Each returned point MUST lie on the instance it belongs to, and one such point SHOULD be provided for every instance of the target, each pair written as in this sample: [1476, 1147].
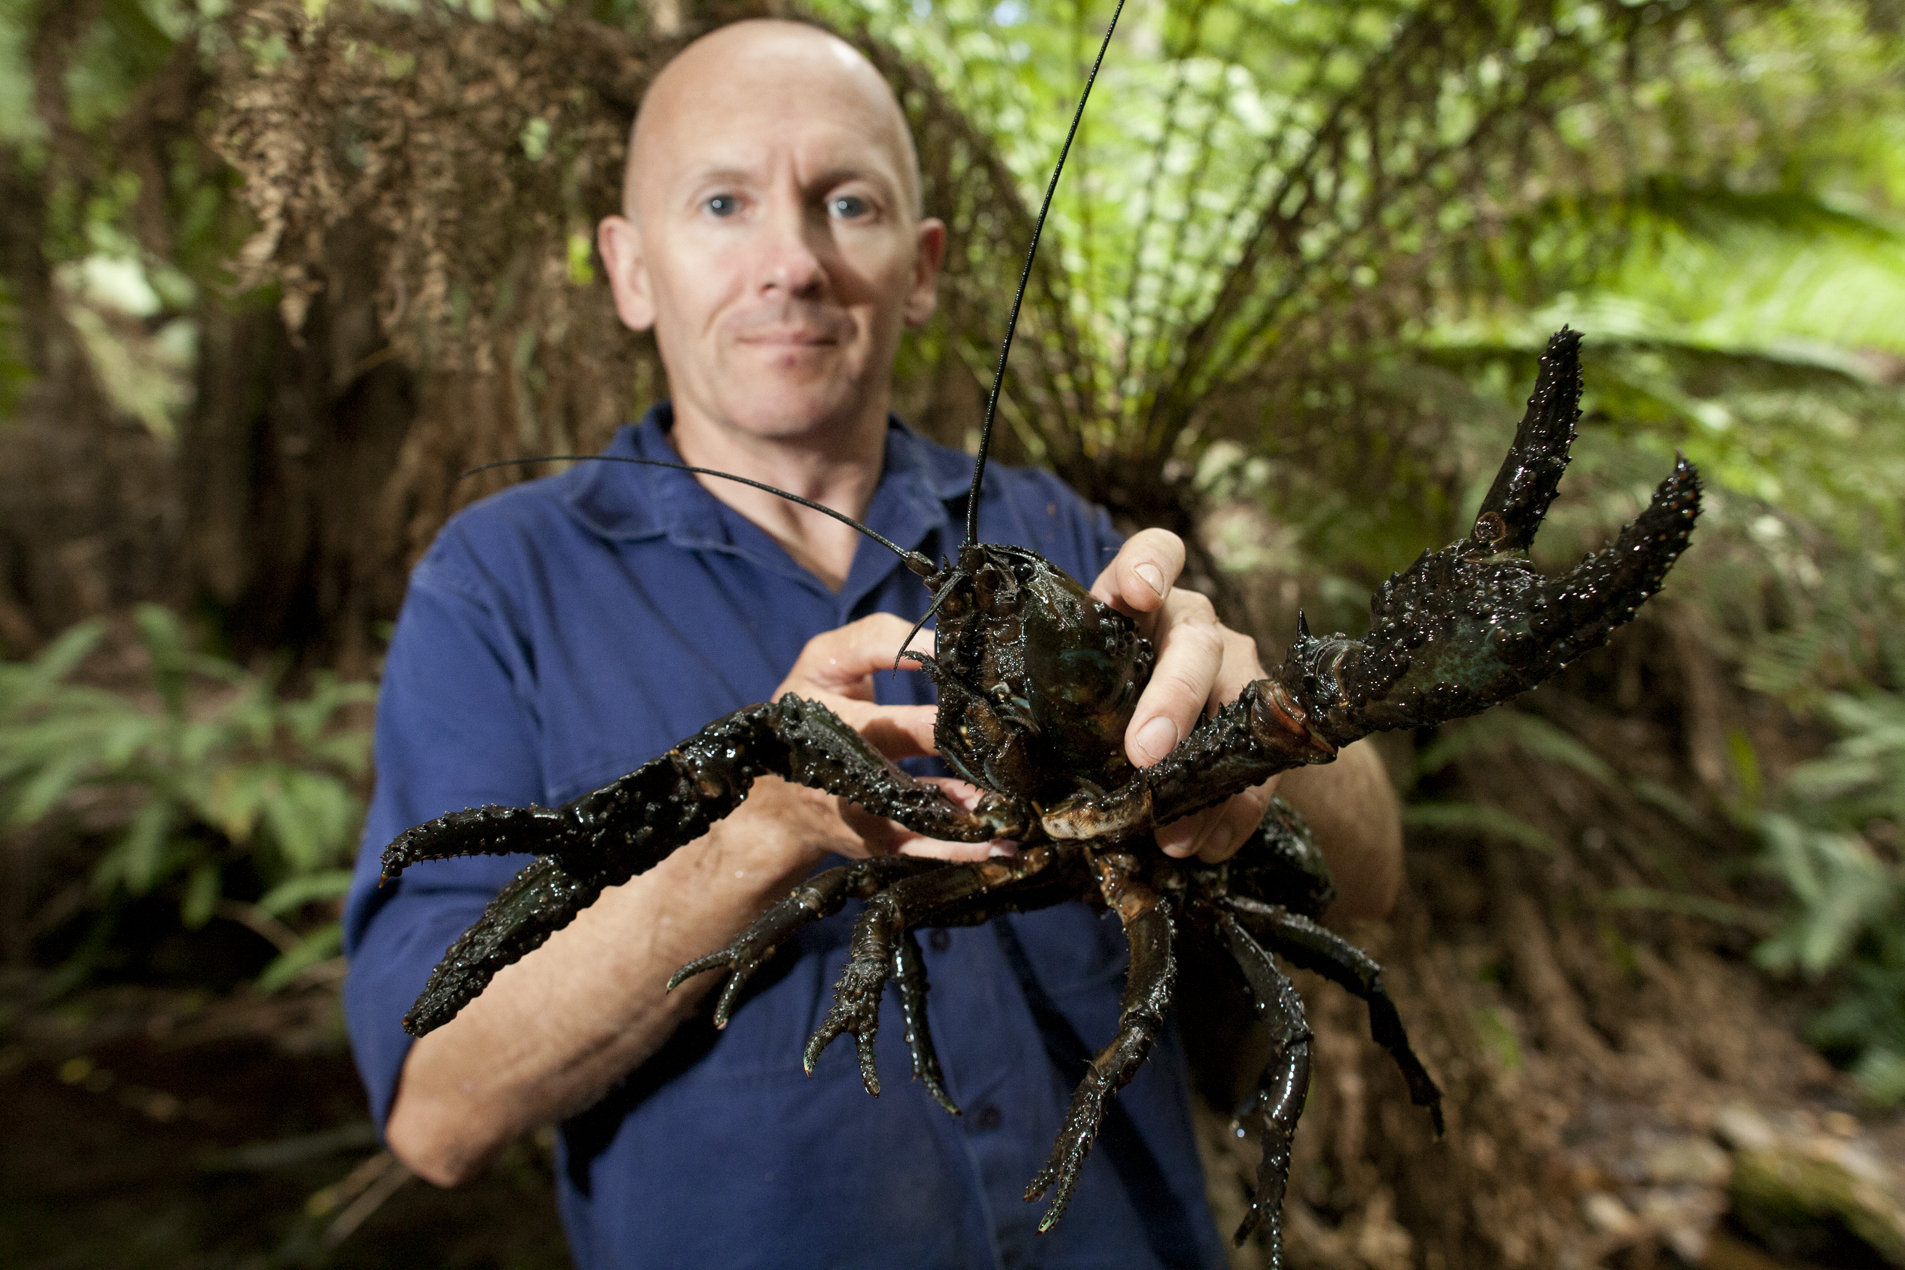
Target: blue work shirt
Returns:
[568, 630]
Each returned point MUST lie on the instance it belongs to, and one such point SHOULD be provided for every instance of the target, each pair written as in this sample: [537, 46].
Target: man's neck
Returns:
[838, 467]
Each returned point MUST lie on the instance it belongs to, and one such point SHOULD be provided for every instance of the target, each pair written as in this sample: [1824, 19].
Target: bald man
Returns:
[566, 631]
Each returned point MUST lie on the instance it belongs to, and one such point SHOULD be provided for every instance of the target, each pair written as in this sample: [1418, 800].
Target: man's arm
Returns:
[554, 1030]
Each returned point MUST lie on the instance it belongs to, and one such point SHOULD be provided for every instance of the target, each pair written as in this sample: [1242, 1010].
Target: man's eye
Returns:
[847, 206]
[723, 205]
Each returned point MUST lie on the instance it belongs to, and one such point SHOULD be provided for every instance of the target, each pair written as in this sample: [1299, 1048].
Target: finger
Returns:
[1190, 647]
[1140, 577]
[1179, 838]
[895, 731]
[960, 852]
[1242, 666]
[844, 661]
[1236, 820]
[1215, 834]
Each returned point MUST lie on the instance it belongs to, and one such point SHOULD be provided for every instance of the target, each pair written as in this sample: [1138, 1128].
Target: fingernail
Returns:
[1217, 841]
[1156, 739]
[1153, 578]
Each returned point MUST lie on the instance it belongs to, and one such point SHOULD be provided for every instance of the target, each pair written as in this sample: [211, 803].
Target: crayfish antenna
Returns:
[1025, 276]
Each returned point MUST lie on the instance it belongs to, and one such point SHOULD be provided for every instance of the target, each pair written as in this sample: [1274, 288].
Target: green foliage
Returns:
[1836, 849]
[204, 772]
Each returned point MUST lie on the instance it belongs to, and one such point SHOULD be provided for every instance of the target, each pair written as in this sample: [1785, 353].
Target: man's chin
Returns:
[791, 406]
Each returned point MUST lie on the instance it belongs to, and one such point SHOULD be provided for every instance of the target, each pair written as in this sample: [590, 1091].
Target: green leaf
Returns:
[1881, 1076]
[1479, 820]
[164, 639]
[52, 782]
[314, 819]
[1507, 728]
[137, 859]
[319, 945]
[202, 891]
[286, 896]
[1693, 905]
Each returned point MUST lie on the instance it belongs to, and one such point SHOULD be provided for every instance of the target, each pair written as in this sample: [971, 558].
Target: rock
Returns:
[1689, 1161]
[1809, 1193]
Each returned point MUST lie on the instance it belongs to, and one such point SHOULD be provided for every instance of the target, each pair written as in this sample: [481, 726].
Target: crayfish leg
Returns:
[628, 826]
[1316, 948]
[909, 971]
[870, 954]
[819, 896]
[1284, 1085]
[1147, 924]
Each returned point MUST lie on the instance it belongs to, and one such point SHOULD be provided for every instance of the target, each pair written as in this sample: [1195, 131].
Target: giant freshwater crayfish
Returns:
[1037, 682]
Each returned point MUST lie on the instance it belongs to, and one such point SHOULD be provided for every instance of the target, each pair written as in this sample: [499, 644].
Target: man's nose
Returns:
[792, 257]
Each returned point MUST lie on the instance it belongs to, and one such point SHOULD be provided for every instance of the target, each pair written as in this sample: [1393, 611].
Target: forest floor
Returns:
[153, 1127]
[157, 1128]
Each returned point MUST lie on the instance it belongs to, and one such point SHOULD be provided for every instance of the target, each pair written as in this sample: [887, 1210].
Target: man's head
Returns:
[771, 233]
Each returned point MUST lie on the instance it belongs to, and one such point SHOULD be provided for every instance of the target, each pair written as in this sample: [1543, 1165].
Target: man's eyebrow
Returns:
[719, 175]
[886, 183]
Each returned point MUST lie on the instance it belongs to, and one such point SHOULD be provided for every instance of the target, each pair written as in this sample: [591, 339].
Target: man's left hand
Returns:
[1201, 665]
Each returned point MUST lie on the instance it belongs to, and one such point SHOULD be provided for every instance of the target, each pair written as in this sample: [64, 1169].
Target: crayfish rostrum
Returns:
[1037, 681]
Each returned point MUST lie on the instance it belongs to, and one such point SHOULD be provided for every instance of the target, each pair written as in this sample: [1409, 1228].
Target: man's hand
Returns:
[1201, 665]
[837, 669]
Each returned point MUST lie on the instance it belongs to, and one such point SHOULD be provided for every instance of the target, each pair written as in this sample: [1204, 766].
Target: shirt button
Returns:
[940, 939]
[987, 1119]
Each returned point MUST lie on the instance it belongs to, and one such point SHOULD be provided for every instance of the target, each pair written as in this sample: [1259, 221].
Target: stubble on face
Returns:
[776, 317]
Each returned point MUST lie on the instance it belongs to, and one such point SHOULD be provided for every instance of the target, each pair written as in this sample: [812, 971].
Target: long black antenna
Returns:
[1011, 323]
[915, 561]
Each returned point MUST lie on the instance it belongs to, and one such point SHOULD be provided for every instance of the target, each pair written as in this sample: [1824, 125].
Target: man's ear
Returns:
[620, 242]
[929, 254]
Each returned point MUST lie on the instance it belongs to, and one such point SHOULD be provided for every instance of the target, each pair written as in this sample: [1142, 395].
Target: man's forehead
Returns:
[734, 145]
[754, 91]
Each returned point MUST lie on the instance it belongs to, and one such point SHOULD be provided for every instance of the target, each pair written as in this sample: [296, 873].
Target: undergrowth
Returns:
[206, 785]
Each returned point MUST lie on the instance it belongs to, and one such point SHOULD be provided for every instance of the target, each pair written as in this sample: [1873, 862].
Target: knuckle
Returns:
[1198, 641]
[1194, 609]
[1157, 539]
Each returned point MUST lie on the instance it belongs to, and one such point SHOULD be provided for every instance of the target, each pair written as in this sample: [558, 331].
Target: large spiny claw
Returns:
[1473, 624]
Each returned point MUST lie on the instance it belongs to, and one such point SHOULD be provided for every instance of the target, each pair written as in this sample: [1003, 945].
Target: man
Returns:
[570, 629]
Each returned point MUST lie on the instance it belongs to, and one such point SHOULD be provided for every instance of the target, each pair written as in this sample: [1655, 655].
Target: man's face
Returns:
[773, 246]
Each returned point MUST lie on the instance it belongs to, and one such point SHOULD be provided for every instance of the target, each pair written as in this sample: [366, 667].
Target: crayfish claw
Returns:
[1531, 474]
[1473, 624]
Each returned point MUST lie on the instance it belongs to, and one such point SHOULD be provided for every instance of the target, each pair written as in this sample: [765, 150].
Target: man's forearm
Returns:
[556, 1029]
[1353, 812]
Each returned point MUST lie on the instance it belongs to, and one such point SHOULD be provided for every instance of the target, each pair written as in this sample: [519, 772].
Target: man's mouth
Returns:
[791, 338]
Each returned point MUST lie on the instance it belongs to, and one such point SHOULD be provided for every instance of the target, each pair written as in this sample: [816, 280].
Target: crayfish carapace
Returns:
[1037, 681]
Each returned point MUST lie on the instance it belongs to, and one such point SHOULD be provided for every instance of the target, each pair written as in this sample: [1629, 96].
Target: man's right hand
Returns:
[788, 827]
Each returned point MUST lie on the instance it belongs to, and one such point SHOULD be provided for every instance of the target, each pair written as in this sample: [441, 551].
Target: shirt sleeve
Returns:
[455, 729]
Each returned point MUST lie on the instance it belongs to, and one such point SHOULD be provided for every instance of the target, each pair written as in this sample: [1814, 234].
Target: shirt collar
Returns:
[919, 485]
